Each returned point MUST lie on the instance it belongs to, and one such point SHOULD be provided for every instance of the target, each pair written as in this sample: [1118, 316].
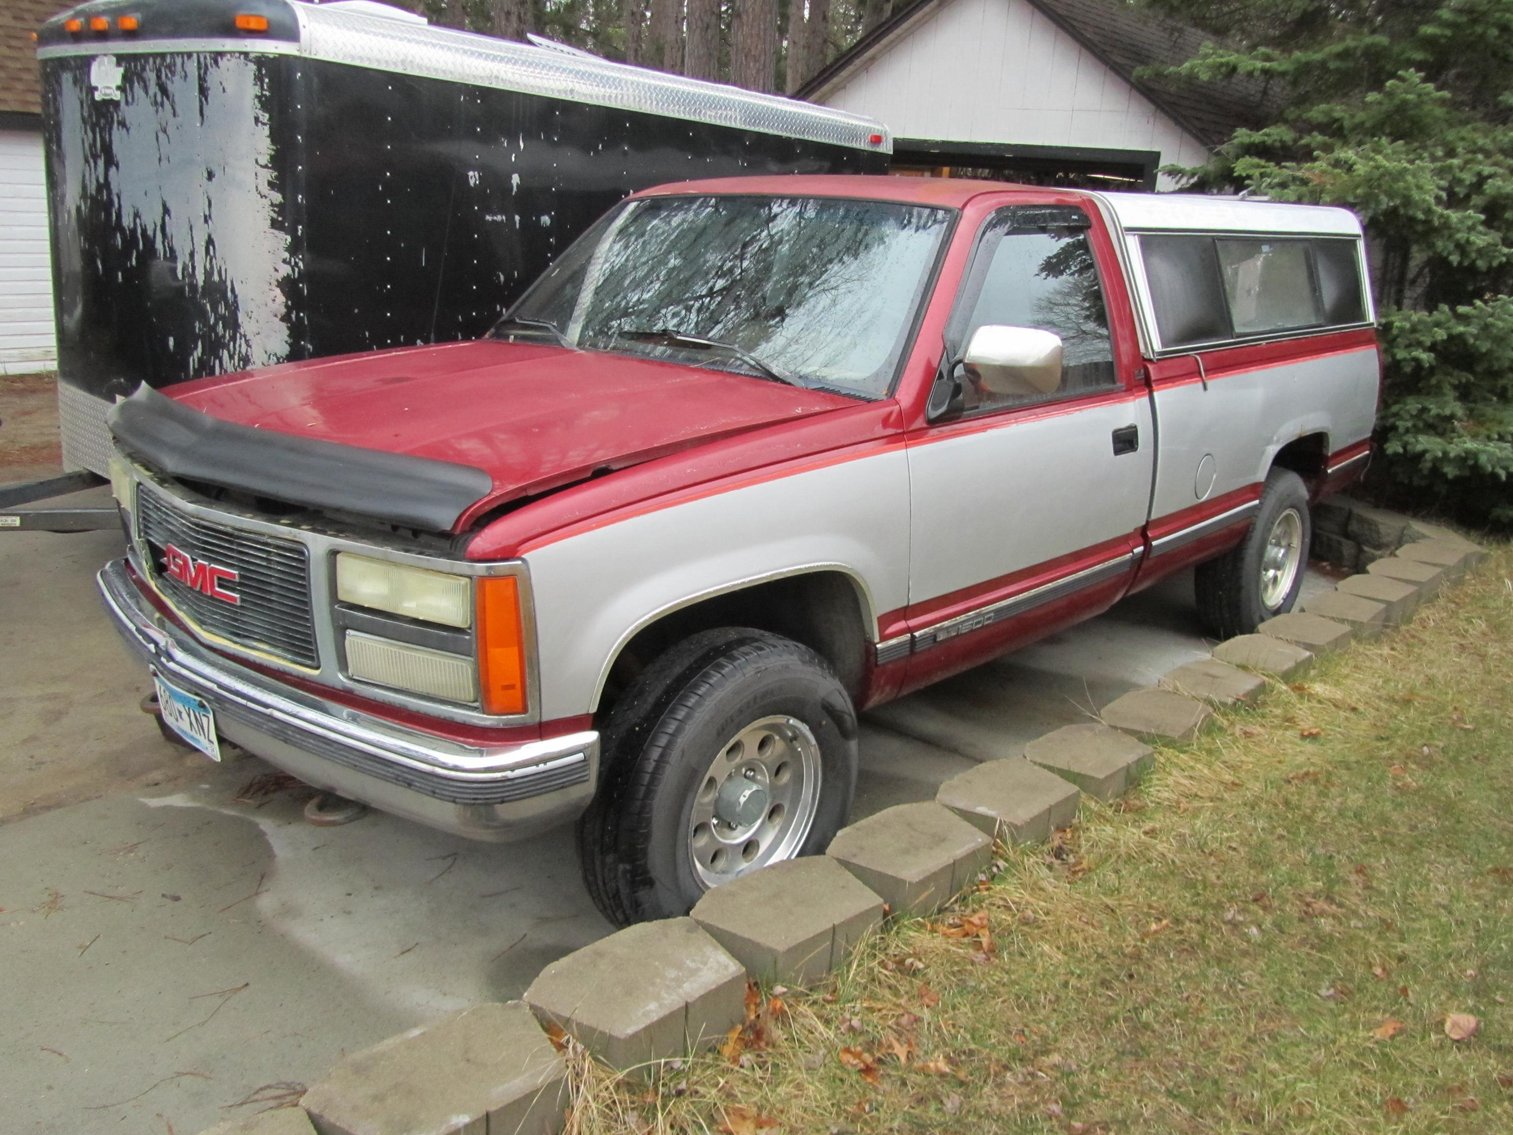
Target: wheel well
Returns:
[823, 610]
[1308, 457]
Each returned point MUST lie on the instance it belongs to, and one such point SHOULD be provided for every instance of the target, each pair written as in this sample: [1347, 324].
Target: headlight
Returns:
[415, 593]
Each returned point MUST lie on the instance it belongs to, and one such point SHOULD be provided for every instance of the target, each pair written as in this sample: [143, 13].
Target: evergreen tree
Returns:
[1401, 110]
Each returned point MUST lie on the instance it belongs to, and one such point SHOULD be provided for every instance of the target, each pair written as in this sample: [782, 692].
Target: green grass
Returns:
[1227, 949]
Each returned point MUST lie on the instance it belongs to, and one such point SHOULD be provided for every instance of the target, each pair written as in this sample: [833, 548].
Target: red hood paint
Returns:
[534, 417]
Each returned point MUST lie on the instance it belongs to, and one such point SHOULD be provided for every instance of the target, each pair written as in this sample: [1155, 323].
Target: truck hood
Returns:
[528, 418]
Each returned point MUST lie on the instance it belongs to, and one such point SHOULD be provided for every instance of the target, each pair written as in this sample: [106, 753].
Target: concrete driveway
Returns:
[182, 947]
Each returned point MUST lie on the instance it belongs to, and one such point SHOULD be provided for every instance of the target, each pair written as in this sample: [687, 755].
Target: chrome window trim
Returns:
[322, 548]
[1345, 464]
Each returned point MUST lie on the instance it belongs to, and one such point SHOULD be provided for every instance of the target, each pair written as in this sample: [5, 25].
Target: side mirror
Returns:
[1015, 362]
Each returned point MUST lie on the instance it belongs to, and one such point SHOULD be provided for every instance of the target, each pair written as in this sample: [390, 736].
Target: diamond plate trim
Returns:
[442, 53]
[81, 420]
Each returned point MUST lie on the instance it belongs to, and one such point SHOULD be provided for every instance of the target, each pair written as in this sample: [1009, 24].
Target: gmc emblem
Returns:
[201, 575]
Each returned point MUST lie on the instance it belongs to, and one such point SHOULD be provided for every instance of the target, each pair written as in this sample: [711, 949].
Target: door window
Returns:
[1035, 268]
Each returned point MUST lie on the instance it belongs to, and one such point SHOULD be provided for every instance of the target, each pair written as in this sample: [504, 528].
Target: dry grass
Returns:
[1268, 935]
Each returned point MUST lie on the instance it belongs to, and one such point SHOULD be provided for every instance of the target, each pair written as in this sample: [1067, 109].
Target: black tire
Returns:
[663, 743]
[1255, 581]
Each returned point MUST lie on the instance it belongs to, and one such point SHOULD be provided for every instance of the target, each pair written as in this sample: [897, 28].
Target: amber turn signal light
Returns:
[501, 646]
[99, 24]
[249, 23]
[129, 23]
[73, 26]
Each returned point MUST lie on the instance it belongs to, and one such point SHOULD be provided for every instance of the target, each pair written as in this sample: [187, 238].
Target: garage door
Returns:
[27, 343]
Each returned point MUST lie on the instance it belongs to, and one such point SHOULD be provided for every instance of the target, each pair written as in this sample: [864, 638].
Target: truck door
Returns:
[1027, 508]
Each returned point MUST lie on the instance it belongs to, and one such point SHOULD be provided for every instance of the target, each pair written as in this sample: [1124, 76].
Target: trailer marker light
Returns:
[99, 24]
[250, 23]
[129, 23]
[875, 139]
[73, 26]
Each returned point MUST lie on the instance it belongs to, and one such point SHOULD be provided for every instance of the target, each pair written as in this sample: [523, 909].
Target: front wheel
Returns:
[1262, 577]
[735, 749]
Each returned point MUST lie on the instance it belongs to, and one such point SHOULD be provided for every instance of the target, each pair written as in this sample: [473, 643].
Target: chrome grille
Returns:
[273, 580]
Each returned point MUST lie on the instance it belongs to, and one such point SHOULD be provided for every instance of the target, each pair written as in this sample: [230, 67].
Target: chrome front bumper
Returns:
[482, 792]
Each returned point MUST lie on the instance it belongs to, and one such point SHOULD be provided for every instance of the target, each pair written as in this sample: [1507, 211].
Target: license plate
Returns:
[189, 717]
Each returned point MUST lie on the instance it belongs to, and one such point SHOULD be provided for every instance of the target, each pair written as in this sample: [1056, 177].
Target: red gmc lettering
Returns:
[201, 575]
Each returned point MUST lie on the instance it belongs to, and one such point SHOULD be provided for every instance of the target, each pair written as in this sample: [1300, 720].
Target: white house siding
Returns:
[27, 342]
[987, 71]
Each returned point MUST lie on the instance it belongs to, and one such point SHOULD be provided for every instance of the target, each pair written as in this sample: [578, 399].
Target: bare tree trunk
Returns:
[807, 36]
[701, 56]
[753, 44]
[874, 12]
[511, 19]
[454, 15]
[635, 26]
[664, 36]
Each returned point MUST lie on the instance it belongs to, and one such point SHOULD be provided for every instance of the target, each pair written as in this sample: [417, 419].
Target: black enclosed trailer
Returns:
[234, 183]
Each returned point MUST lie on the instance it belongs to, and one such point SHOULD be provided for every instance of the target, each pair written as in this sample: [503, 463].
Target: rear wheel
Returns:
[1261, 577]
[735, 749]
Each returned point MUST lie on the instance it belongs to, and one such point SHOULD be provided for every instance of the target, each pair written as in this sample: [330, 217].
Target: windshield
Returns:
[815, 291]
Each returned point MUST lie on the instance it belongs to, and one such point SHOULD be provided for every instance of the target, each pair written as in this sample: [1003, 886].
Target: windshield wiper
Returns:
[529, 324]
[668, 337]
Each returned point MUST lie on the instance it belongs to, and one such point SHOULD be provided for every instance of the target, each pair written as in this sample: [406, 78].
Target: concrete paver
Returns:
[486, 1068]
[791, 922]
[1012, 799]
[1101, 761]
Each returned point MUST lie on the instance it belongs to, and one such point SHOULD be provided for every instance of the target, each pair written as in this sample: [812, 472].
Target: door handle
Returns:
[1126, 440]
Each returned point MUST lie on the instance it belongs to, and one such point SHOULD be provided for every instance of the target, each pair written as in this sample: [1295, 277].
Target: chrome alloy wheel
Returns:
[1282, 559]
[757, 801]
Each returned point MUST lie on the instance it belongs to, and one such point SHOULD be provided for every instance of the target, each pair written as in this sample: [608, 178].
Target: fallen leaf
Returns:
[1388, 1029]
[1380, 972]
[1156, 928]
[938, 1067]
[1461, 1026]
[901, 1047]
[864, 1064]
[739, 1120]
[1305, 776]
[733, 1045]
[753, 1000]
[557, 1035]
[927, 997]
[1505, 1081]
[1396, 1106]
[1310, 732]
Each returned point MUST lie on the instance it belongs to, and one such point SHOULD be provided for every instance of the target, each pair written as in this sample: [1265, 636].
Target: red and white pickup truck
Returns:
[753, 455]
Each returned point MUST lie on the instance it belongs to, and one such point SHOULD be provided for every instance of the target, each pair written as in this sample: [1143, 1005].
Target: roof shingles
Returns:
[20, 91]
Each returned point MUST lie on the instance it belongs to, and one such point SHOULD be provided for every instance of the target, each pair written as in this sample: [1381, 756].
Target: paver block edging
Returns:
[1098, 759]
[1215, 681]
[1154, 713]
[1012, 799]
[645, 993]
[791, 922]
[1365, 616]
[1399, 598]
[1312, 632]
[486, 1067]
[916, 856]
[1265, 655]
